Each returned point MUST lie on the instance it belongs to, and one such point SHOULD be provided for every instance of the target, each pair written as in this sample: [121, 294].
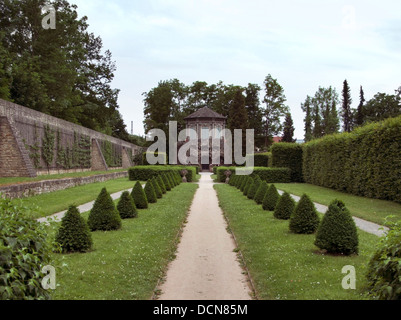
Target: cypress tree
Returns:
[126, 206]
[139, 196]
[104, 215]
[150, 192]
[74, 234]
[260, 194]
[271, 198]
[285, 207]
[337, 233]
[305, 219]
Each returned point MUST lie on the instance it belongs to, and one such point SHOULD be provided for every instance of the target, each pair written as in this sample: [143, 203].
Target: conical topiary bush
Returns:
[171, 180]
[254, 188]
[158, 190]
[74, 234]
[126, 206]
[260, 194]
[243, 183]
[150, 192]
[104, 215]
[285, 207]
[139, 196]
[305, 219]
[271, 198]
[166, 181]
[337, 233]
[248, 185]
[161, 184]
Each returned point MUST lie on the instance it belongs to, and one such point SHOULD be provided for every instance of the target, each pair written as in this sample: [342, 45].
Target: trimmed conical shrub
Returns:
[271, 198]
[166, 181]
[260, 194]
[104, 215]
[243, 183]
[254, 188]
[305, 219]
[248, 185]
[161, 184]
[170, 180]
[158, 190]
[139, 196]
[285, 207]
[232, 180]
[337, 233]
[74, 234]
[126, 206]
[150, 192]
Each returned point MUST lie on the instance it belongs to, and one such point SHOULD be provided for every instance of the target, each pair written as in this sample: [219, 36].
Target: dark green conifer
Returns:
[305, 219]
[126, 206]
[139, 196]
[104, 215]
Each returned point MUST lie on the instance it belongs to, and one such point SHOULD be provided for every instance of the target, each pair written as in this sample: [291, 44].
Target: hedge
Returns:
[270, 175]
[365, 162]
[144, 173]
[289, 155]
[156, 154]
[262, 159]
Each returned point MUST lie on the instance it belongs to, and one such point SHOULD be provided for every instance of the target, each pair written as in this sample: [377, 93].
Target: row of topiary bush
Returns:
[270, 175]
[144, 173]
[365, 162]
[74, 233]
[336, 233]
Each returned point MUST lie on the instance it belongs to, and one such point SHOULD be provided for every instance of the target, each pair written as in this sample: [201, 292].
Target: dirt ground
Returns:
[206, 266]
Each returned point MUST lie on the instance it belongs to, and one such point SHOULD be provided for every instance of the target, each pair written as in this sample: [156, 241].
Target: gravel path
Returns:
[206, 266]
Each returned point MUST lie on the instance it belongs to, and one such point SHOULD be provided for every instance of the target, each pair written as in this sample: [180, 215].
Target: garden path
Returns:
[206, 266]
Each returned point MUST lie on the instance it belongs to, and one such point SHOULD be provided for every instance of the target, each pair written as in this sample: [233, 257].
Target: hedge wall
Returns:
[156, 154]
[262, 159]
[288, 155]
[144, 173]
[270, 175]
[366, 162]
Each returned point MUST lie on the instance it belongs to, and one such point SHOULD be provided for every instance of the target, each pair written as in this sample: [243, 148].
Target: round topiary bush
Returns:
[126, 206]
[254, 188]
[285, 207]
[260, 194]
[24, 251]
[305, 219]
[139, 196]
[337, 233]
[150, 192]
[104, 215]
[74, 234]
[384, 268]
[271, 198]
[156, 187]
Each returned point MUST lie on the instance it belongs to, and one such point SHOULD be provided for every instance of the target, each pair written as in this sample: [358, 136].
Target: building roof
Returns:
[205, 113]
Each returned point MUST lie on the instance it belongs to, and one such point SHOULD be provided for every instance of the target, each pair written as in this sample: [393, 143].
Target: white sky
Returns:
[303, 44]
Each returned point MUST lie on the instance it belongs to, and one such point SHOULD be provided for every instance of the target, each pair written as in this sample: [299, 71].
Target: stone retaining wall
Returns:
[29, 189]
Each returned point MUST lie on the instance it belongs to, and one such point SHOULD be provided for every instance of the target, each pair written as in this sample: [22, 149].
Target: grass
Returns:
[286, 266]
[18, 180]
[373, 210]
[126, 264]
[50, 203]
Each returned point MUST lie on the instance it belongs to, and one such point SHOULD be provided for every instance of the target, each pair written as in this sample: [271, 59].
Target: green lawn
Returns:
[8, 181]
[126, 264]
[287, 266]
[365, 208]
[50, 203]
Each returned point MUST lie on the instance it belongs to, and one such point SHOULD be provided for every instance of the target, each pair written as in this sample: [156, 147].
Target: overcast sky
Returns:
[304, 44]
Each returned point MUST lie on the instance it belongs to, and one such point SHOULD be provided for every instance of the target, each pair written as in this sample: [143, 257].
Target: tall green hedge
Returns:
[270, 175]
[288, 155]
[262, 159]
[366, 162]
[144, 173]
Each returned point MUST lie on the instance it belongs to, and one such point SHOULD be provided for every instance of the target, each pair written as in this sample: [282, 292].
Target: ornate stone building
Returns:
[209, 127]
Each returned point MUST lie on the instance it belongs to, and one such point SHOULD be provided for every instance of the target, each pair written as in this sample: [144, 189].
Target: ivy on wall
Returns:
[112, 154]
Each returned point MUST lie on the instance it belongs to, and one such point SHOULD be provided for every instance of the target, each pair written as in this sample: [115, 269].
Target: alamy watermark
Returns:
[349, 281]
[49, 281]
[49, 20]
[210, 149]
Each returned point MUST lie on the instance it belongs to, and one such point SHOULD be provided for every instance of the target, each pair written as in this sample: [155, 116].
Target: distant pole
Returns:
[132, 128]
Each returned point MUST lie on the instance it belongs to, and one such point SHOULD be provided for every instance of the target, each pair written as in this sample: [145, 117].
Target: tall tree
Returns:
[359, 117]
[382, 106]
[238, 118]
[289, 129]
[307, 108]
[252, 105]
[325, 113]
[346, 107]
[275, 108]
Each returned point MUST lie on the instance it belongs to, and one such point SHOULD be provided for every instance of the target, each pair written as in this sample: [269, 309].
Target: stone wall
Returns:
[29, 189]
[23, 131]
